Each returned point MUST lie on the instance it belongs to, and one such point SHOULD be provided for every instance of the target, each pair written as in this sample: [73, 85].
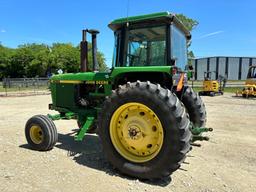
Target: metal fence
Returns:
[25, 82]
[23, 86]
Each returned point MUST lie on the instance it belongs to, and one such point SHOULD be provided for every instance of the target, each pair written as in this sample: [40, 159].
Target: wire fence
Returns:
[24, 86]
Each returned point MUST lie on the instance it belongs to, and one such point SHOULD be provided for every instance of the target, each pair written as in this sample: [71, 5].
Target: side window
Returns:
[178, 47]
[136, 53]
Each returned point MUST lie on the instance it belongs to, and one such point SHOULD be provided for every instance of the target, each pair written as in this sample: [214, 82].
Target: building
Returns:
[234, 68]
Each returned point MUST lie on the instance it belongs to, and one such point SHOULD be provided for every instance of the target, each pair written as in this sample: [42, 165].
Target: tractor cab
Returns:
[150, 40]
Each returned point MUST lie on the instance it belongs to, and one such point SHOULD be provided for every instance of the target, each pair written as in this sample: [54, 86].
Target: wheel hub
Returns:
[136, 132]
[36, 134]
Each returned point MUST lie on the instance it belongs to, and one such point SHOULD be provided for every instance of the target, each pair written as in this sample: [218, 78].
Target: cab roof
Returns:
[159, 18]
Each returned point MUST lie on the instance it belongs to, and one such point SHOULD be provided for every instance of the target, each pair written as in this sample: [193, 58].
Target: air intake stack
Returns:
[84, 53]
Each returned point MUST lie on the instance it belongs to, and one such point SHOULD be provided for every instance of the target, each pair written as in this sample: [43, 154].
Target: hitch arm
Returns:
[199, 138]
[81, 133]
[199, 130]
[196, 134]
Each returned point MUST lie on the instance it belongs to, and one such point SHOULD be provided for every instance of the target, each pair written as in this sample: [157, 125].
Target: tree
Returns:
[189, 23]
[64, 56]
[5, 57]
[67, 58]
[30, 60]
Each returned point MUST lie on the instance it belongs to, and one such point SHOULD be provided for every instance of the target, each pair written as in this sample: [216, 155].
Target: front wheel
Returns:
[41, 133]
[144, 130]
[194, 105]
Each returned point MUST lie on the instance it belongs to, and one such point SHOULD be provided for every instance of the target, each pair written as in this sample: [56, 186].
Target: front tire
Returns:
[144, 130]
[41, 133]
[194, 105]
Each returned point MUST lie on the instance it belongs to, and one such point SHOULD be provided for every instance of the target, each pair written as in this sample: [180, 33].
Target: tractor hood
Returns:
[104, 76]
[78, 77]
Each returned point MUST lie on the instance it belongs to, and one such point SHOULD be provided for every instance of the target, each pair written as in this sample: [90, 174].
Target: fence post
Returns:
[4, 82]
[34, 85]
[6, 91]
[9, 82]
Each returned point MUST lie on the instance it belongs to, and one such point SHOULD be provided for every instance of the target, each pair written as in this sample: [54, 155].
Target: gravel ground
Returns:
[226, 163]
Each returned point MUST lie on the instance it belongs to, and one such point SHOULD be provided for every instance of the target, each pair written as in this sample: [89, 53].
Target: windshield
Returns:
[178, 47]
[146, 47]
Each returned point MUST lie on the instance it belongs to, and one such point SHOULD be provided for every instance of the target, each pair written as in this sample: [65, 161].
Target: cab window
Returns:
[178, 47]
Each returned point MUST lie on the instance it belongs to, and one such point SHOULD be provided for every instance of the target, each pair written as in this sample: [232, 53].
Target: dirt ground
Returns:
[226, 163]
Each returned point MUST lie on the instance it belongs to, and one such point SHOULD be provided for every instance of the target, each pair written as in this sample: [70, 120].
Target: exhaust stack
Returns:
[84, 53]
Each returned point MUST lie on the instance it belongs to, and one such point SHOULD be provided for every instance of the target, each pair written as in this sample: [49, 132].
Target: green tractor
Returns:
[142, 109]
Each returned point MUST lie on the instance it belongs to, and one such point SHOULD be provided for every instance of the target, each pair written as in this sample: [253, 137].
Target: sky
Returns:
[226, 27]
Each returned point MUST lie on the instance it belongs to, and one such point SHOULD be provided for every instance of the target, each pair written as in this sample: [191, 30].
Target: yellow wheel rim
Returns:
[136, 132]
[36, 134]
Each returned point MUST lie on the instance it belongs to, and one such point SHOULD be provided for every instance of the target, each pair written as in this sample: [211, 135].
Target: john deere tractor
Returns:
[142, 108]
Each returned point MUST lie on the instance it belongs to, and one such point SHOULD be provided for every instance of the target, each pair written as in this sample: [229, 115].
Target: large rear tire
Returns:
[195, 106]
[144, 130]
